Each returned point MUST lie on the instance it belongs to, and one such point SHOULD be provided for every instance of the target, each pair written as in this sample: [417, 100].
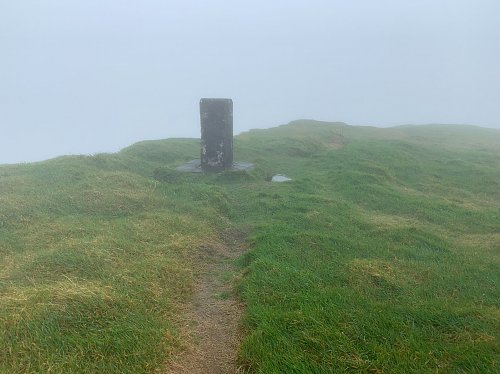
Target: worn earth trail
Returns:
[212, 318]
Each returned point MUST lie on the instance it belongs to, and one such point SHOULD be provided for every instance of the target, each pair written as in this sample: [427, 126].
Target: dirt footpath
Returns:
[212, 318]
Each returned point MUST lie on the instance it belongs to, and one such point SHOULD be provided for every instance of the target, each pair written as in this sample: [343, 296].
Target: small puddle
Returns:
[280, 178]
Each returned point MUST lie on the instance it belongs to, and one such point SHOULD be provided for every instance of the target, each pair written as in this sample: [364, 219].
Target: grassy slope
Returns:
[382, 254]
[95, 258]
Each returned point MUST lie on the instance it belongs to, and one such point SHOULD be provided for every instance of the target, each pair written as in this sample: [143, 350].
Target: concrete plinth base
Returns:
[194, 166]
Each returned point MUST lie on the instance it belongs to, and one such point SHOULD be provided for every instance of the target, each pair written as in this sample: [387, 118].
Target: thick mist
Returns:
[89, 76]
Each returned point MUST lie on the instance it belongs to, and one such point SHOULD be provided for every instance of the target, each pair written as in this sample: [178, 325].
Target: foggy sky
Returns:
[87, 76]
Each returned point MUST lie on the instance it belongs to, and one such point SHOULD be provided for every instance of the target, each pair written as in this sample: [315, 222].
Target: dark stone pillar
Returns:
[216, 134]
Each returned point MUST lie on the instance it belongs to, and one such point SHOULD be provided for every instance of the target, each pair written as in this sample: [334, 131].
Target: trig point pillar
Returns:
[216, 134]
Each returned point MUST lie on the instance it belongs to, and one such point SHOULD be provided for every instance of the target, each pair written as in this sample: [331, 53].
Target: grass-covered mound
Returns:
[95, 258]
[381, 255]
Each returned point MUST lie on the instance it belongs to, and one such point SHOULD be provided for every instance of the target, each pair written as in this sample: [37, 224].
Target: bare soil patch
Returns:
[212, 318]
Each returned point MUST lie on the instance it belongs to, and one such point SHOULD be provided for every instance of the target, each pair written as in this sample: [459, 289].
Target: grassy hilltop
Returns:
[382, 254]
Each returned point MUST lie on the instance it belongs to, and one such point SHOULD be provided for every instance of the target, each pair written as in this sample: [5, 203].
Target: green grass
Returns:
[381, 255]
[96, 258]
